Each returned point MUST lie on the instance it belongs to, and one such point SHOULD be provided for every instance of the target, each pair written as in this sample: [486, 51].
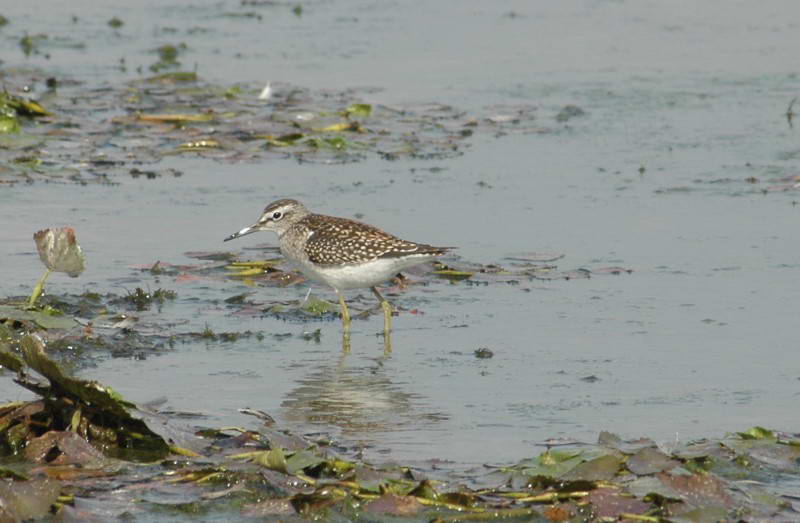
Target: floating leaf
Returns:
[649, 461]
[597, 469]
[59, 250]
[285, 140]
[176, 118]
[551, 463]
[261, 264]
[69, 447]
[31, 108]
[13, 105]
[244, 273]
[453, 274]
[700, 489]
[336, 142]
[273, 459]
[757, 433]
[394, 505]
[48, 320]
[358, 110]
[317, 307]
[302, 459]
[174, 77]
[610, 503]
[317, 501]
[425, 491]
[339, 127]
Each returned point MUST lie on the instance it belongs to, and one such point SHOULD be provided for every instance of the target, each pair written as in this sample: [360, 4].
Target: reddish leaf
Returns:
[699, 489]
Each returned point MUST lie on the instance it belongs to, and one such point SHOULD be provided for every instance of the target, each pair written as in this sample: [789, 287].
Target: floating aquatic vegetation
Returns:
[484, 353]
[449, 273]
[80, 433]
[43, 318]
[228, 123]
[143, 300]
[30, 43]
[91, 410]
[363, 110]
[12, 108]
[167, 57]
[174, 77]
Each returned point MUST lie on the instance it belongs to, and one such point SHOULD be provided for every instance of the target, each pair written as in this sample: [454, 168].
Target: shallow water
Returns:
[698, 341]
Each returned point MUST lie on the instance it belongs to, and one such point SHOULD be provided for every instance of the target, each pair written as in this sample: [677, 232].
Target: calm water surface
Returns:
[683, 104]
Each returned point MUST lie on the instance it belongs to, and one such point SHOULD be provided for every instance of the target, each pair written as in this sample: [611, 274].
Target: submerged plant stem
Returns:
[38, 289]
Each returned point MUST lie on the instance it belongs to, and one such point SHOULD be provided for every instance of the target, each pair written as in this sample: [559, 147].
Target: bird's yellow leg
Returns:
[387, 317]
[345, 312]
[387, 311]
[387, 342]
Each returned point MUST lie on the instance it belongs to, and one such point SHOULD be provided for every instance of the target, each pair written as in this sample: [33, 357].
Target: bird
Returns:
[339, 252]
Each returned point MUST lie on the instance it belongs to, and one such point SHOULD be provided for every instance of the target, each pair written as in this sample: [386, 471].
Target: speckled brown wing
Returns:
[338, 241]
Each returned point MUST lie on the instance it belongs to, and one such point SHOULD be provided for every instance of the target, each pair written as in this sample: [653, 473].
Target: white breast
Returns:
[354, 276]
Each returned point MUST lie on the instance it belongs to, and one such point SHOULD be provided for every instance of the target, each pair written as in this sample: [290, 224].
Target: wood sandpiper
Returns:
[341, 253]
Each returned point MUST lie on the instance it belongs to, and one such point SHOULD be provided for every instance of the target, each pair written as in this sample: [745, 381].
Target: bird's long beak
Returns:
[243, 232]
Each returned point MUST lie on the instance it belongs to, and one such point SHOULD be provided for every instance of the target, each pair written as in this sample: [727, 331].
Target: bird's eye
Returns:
[277, 215]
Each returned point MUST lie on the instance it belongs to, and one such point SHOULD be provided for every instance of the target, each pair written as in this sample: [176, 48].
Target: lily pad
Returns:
[699, 490]
[46, 319]
[650, 461]
[597, 469]
[551, 463]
